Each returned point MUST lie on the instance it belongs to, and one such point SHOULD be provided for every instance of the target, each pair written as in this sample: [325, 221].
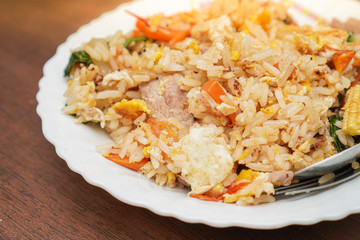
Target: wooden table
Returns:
[40, 197]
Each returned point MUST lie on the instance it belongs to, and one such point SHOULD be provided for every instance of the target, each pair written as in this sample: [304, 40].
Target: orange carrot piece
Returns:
[125, 161]
[118, 52]
[163, 34]
[206, 198]
[342, 58]
[232, 119]
[166, 34]
[155, 126]
[233, 188]
[159, 34]
[356, 62]
[179, 36]
[165, 125]
[214, 89]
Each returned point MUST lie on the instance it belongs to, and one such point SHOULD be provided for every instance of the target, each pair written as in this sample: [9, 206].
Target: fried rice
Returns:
[228, 101]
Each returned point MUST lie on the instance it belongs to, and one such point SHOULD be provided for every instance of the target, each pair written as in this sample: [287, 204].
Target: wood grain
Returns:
[40, 197]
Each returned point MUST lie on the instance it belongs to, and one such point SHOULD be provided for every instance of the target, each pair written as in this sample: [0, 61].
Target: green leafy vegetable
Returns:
[350, 37]
[340, 98]
[333, 128]
[137, 39]
[77, 57]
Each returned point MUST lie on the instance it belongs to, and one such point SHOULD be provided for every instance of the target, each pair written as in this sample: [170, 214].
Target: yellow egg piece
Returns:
[131, 108]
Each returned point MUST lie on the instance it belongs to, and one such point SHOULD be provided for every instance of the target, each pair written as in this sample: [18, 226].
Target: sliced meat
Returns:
[352, 25]
[182, 181]
[166, 100]
[317, 140]
[281, 177]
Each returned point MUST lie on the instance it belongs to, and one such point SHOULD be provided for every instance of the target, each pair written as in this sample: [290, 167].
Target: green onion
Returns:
[340, 98]
[77, 57]
[333, 128]
[137, 39]
[350, 37]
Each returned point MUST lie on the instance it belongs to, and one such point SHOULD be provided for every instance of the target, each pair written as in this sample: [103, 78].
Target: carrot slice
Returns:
[159, 34]
[125, 161]
[342, 58]
[214, 89]
[356, 62]
[207, 198]
[232, 118]
[167, 34]
[167, 127]
[233, 188]
[178, 36]
[155, 126]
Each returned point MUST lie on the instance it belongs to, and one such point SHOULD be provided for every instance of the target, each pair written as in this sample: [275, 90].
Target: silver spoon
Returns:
[330, 164]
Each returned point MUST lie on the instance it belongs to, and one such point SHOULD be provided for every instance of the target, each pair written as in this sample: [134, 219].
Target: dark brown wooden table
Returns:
[40, 197]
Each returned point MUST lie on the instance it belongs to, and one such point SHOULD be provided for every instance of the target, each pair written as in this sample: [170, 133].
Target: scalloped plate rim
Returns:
[169, 212]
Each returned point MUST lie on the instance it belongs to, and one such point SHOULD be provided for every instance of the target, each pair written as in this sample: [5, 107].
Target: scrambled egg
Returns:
[132, 108]
[255, 189]
[226, 109]
[203, 159]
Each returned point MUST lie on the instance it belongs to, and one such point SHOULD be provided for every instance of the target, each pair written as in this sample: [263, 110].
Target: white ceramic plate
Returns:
[75, 143]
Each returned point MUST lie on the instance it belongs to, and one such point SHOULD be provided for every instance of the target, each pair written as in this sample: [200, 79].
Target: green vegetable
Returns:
[333, 128]
[350, 37]
[137, 39]
[340, 98]
[77, 57]
[287, 20]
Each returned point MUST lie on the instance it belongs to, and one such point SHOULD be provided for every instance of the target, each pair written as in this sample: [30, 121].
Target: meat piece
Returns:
[352, 25]
[166, 100]
[317, 140]
[182, 181]
[282, 177]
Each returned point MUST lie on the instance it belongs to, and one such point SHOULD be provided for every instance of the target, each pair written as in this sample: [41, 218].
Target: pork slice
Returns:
[281, 176]
[351, 24]
[166, 100]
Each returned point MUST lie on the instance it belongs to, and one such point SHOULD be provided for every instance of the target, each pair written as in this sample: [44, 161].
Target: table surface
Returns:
[40, 197]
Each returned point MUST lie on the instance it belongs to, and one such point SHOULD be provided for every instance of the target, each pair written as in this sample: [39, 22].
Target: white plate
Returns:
[75, 143]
